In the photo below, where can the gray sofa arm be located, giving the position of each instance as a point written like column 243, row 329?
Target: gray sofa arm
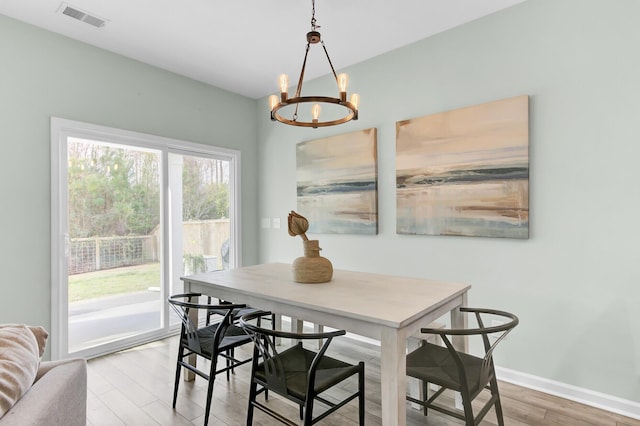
column 57, row 398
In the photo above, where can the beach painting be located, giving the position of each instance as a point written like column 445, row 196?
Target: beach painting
column 465, row 172
column 337, row 183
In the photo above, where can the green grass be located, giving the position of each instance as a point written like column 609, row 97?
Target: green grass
column 129, row 279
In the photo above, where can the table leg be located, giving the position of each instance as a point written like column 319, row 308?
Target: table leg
column 461, row 343
column 317, row 328
column 297, row 325
column 393, row 377
column 278, row 326
column 459, row 320
column 415, row 385
column 189, row 375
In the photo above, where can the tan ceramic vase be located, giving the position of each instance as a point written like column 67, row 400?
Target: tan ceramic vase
column 312, row 268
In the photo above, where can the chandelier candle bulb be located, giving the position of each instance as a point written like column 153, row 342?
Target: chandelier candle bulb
column 355, row 100
column 284, row 86
column 315, row 113
column 343, row 82
column 273, row 102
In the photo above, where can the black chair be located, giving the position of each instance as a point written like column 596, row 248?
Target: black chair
column 297, row 373
column 462, row 372
column 211, row 341
column 237, row 313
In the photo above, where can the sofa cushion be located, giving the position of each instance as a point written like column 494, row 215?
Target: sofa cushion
column 57, row 398
column 20, row 352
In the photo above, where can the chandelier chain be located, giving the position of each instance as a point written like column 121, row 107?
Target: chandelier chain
column 313, row 15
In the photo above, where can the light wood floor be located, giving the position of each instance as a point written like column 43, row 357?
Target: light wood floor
column 135, row 387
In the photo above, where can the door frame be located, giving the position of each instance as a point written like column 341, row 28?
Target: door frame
column 61, row 130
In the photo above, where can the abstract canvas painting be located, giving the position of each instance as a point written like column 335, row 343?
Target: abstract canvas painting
column 465, row 172
column 337, row 183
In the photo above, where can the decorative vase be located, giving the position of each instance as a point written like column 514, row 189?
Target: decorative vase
column 312, row 268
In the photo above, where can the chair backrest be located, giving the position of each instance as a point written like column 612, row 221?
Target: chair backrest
column 182, row 304
column 508, row 322
column 266, row 350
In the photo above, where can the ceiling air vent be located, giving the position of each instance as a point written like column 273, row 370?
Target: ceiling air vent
column 81, row 15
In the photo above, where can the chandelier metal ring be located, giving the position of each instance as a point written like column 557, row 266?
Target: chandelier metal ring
column 352, row 113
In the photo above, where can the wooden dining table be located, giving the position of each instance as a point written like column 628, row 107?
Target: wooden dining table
column 386, row 308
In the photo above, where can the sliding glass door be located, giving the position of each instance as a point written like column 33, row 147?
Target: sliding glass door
column 114, row 263
column 201, row 207
column 132, row 213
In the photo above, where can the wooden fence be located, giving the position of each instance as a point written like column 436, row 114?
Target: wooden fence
column 202, row 239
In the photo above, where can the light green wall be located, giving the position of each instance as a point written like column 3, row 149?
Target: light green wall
column 575, row 282
column 43, row 74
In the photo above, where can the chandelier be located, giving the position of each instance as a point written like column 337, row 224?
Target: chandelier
column 347, row 110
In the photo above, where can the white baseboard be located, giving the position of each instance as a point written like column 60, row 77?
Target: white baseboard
column 603, row 401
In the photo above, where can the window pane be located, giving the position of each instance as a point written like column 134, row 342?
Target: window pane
column 114, row 263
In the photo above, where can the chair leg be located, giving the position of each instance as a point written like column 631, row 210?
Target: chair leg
column 212, row 380
column 207, row 410
column 230, row 363
column 468, row 411
column 308, row 416
column 498, row 404
column 273, row 327
column 178, row 369
column 361, row 394
column 253, row 390
column 425, row 395
column 308, row 411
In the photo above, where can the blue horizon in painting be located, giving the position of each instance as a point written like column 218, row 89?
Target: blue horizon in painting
column 467, row 175
column 343, row 199
column 336, row 188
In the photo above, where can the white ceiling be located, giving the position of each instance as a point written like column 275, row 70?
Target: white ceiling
column 243, row 45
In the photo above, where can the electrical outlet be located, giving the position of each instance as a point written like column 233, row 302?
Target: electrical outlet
column 276, row 223
column 265, row 223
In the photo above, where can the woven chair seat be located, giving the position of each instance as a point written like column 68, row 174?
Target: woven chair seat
column 234, row 336
column 297, row 362
column 435, row 364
